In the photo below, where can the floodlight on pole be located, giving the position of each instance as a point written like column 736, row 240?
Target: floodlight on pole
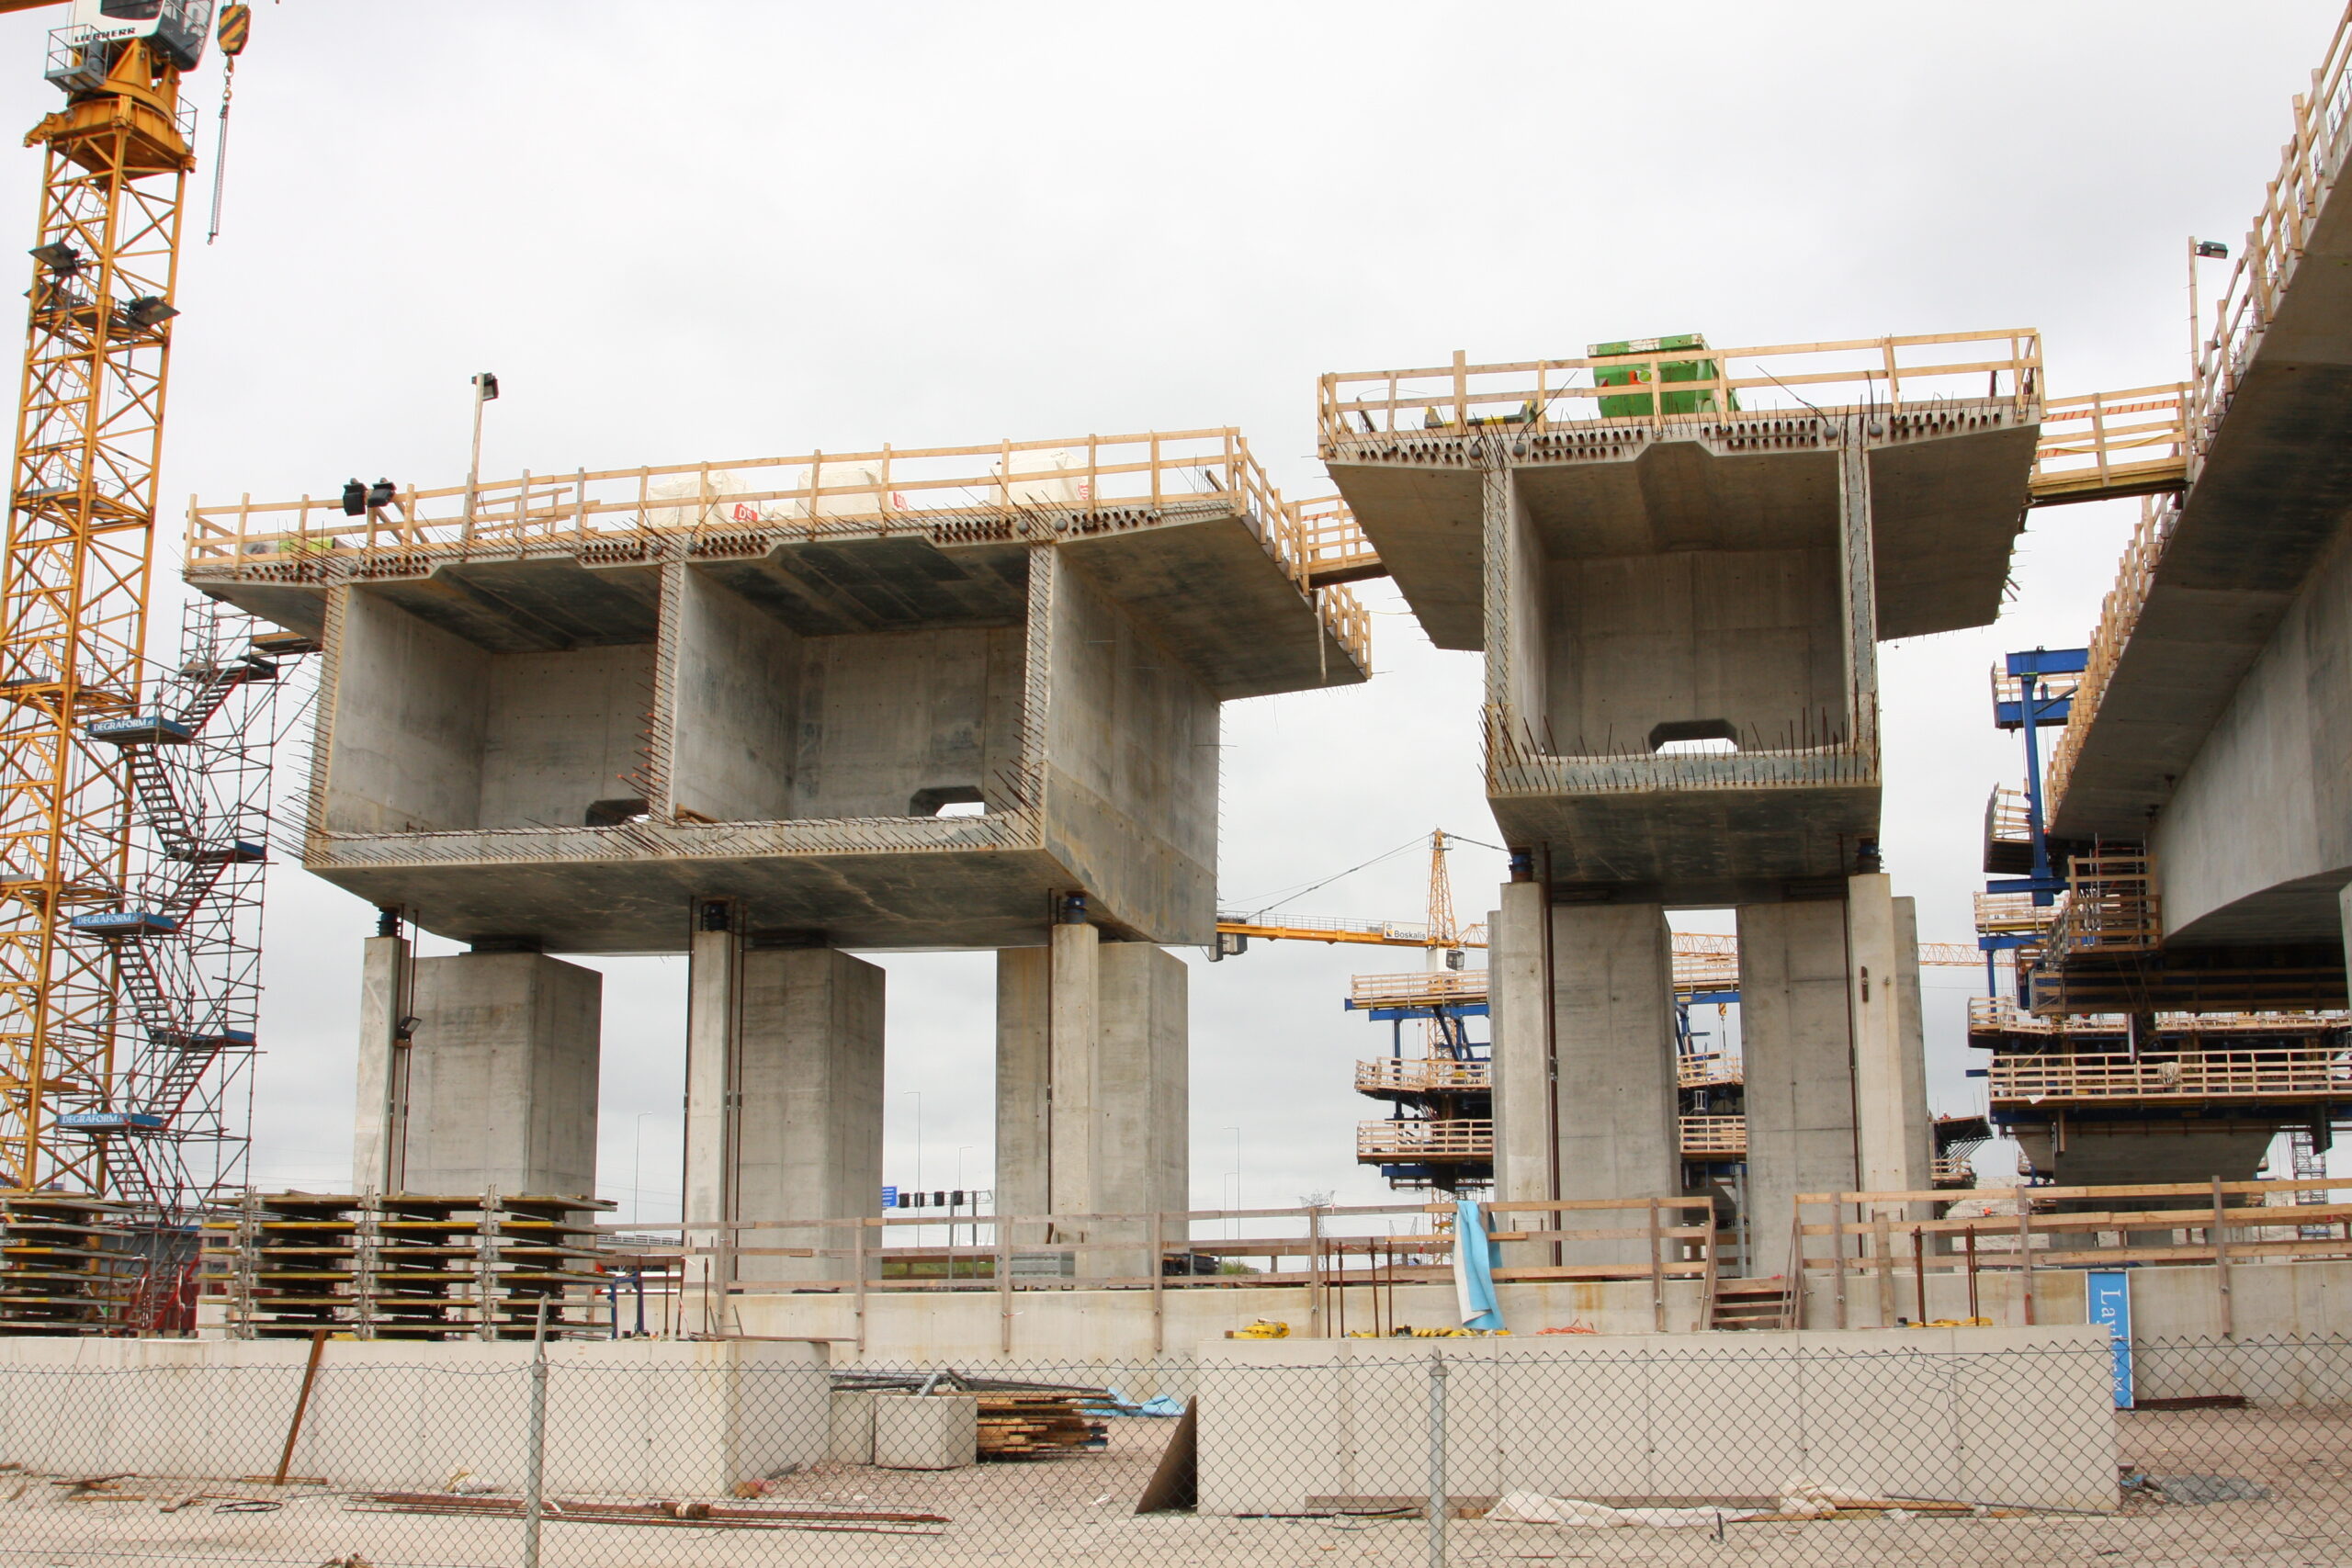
column 485, row 388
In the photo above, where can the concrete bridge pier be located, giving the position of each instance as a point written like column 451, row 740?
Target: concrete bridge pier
column 477, row 1070
column 1092, row 1095
column 784, row 1098
column 1835, row 1067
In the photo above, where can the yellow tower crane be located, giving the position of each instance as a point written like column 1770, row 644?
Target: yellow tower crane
column 78, row 553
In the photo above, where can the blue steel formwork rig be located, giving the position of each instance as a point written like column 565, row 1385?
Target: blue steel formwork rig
column 1440, row 1132
column 2101, row 1034
column 184, row 938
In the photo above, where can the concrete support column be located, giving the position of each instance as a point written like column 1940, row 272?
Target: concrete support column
column 1890, row 1088
column 1519, row 1006
column 714, row 958
column 1612, row 1001
column 784, row 1103
column 1796, row 1029
column 502, row 1076
column 379, row 1131
column 1092, row 1093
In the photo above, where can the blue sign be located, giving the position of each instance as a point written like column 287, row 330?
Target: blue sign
column 2107, row 1293
column 889, row 1197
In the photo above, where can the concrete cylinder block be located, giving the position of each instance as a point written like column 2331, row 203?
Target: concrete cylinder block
column 932, row 1432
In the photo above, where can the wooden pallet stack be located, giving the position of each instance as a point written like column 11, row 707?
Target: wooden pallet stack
column 64, row 1264
column 405, row 1265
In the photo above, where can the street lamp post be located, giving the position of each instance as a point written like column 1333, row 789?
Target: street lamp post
column 485, row 388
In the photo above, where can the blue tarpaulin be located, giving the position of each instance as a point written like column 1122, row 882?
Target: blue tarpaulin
column 1474, row 1258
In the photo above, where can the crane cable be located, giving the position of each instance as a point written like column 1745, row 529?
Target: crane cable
column 236, row 28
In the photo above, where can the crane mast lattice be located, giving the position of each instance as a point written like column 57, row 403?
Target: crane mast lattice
column 75, row 565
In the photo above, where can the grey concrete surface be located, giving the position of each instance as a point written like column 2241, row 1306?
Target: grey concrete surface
column 797, row 1132
column 1796, row 1039
column 2257, row 836
column 501, row 1077
column 1612, row 995
column 1635, row 608
column 572, row 740
column 1092, row 1091
column 1520, row 1017
column 1952, row 482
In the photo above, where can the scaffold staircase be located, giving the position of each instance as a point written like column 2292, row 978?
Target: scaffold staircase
column 185, row 933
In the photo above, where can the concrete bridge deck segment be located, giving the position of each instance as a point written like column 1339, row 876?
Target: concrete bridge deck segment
column 2212, row 723
column 869, row 720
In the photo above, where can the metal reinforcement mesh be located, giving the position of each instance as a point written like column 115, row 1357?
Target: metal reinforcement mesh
column 1866, row 1449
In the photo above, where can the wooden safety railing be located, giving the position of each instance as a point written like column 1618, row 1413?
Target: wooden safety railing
column 1432, row 1075
column 1951, row 1170
column 1661, row 386
column 1885, row 1245
column 1010, row 490
column 2110, row 904
column 1714, row 1138
column 1709, row 1070
column 2276, row 244
column 2265, row 268
column 1335, row 548
column 2119, row 617
column 2313, row 1074
column 2110, row 444
column 1454, row 1140
column 1328, row 1250
column 1433, row 987
column 2000, row 1015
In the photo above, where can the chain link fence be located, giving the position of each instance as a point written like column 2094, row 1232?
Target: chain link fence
column 1858, row 1449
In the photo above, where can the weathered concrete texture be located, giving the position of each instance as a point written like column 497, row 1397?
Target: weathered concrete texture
column 2259, row 529
column 1951, row 482
column 502, row 1077
column 1093, row 1090
column 380, row 1123
column 1796, row 1039
column 1934, row 1413
column 1684, row 598
column 434, row 733
column 802, row 1111
column 633, row 1417
column 790, row 750
column 2103, row 1153
column 2278, row 754
column 1894, row 1141
column 1612, row 995
column 1519, row 1014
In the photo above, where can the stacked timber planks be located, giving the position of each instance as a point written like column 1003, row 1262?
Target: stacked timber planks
column 1020, row 1424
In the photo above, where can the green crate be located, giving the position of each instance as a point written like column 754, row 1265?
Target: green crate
column 1638, row 404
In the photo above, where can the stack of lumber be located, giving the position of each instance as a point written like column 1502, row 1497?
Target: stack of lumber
column 1017, row 1424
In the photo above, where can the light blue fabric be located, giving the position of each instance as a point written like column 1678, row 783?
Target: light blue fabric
column 1474, row 1258
column 1161, row 1404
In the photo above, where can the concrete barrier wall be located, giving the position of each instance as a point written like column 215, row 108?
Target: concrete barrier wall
column 631, row 1417
column 1115, row 1327
column 2012, row 1415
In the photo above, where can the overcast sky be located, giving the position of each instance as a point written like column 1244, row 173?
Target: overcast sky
column 707, row 230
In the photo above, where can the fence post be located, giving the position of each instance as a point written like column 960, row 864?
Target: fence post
column 2221, row 1239
column 1438, row 1506
column 535, row 1442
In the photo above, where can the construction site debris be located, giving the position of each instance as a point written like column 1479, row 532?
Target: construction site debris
column 666, row 1511
column 1264, row 1328
column 1017, row 1420
column 2196, row 1491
